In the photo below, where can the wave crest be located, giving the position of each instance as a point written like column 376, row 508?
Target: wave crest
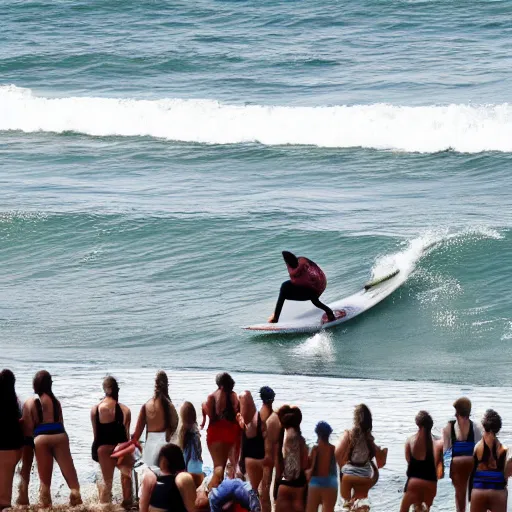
column 426, row 129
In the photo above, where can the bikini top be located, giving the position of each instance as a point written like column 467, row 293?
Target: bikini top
column 462, row 447
column 486, row 463
column 56, row 410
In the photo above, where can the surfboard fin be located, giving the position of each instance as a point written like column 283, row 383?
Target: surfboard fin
column 375, row 282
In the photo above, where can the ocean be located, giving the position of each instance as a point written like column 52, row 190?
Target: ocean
column 157, row 157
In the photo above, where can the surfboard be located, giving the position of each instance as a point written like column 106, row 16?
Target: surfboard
column 345, row 309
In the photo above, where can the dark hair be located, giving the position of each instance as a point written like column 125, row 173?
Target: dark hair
column 162, row 392
column 173, row 457
column 9, row 404
column 290, row 417
column 323, row 430
column 290, row 259
column 42, row 385
column 111, row 387
column 267, row 395
column 491, row 421
column 225, row 382
column 425, row 421
column 462, row 407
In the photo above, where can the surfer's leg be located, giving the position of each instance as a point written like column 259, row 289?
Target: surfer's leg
column 288, row 291
column 327, row 309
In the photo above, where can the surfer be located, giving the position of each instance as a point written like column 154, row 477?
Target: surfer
column 307, row 282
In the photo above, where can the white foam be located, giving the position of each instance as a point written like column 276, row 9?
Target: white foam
column 463, row 128
column 406, row 259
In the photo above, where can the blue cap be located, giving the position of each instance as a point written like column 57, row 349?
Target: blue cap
column 323, row 429
column 267, row 394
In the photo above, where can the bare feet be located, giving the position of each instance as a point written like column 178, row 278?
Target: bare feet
column 272, row 319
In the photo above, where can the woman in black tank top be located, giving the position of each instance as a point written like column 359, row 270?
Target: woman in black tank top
column 108, row 434
column 170, row 489
column 422, row 471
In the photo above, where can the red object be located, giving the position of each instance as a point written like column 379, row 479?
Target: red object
column 308, row 274
column 126, row 448
column 338, row 313
column 239, row 508
column 223, row 431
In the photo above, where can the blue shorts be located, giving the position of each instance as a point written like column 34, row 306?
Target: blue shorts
column 328, row 482
column 195, row 467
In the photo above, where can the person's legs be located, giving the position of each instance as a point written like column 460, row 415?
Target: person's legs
column 320, row 305
column 108, row 466
column 220, row 454
column 329, row 498
column 314, row 499
column 460, row 472
column 65, row 461
column 44, row 458
column 266, row 482
column 8, row 461
column 27, row 460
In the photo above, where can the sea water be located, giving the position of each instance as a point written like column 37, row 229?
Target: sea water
column 156, row 158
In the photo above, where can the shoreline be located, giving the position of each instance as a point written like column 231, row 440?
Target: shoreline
column 394, row 405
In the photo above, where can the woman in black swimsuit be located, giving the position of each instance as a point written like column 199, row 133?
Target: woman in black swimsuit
column 254, row 432
column 424, row 457
column 111, row 426
column 11, row 436
column 171, row 489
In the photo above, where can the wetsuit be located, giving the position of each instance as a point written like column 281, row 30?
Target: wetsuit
column 111, row 434
column 166, row 495
column 307, row 282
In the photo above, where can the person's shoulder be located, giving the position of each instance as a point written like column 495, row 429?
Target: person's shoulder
column 124, row 408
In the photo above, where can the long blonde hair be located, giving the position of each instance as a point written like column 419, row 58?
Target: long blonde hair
column 188, row 425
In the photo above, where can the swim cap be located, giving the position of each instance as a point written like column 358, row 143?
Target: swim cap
column 323, row 430
column 267, row 394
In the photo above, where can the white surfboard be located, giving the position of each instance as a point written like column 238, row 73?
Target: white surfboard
column 348, row 308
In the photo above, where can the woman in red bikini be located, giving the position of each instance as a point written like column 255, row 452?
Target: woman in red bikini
column 223, row 432
column 307, row 282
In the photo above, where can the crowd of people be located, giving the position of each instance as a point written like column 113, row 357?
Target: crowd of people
column 259, row 456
